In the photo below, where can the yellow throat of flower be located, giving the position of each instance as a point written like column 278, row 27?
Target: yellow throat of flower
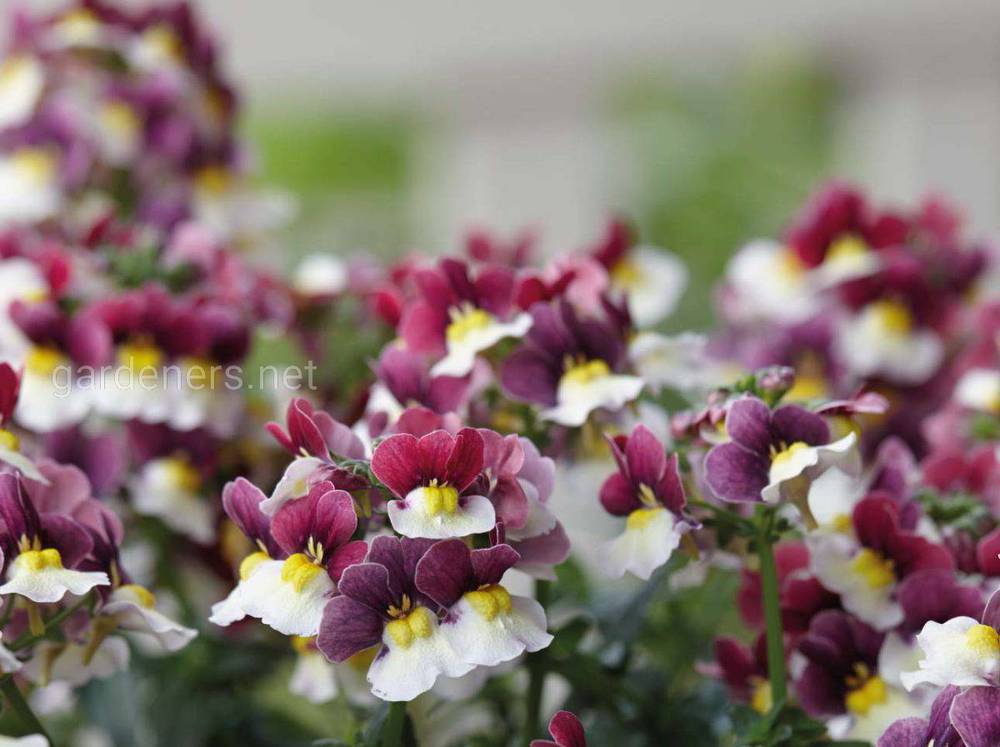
column 120, row 119
column 419, row 623
column 781, row 459
column 984, row 641
column 627, row 274
column 38, row 165
column 182, row 474
column 892, row 316
column 9, row 441
column 143, row 596
column 641, row 518
column 40, row 560
column 846, row 249
column 440, row 499
column 582, row 372
column 874, row 569
column 465, row 321
column 250, row 563
column 138, row 356
column 871, row 692
column 489, row 601
column 298, row 570
column 213, row 180
column 12, row 68
column 43, row 360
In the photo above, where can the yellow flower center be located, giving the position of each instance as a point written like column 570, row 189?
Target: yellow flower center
column 138, row 356
column 201, row 373
column 250, row 563
column 166, row 43
column 782, row 458
column 8, row 440
column 299, row 570
column 584, row 372
column 361, row 661
column 627, row 274
column 876, row 570
column 983, row 640
column 12, row 68
column 417, row 624
column 761, row 700
column 182, row 474
column 143, row 595
column 871, row 693
column 440, row 499
column 641, row 518
column 892, row 316
column 842, row 523
column 39, row 560
column 37, row 164
column 790, row 267
column 120, row 119
column 489, row 601
column 845, row 249
column 43, row 360
column 303, row 644
column 466, row 321
column 806, row 387
column 214, row 180
column 78, row 23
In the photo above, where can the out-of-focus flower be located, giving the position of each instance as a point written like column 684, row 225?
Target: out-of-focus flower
column 566, row 731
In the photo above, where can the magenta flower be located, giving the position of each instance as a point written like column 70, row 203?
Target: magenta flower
column 379, row 604
column 937, row 731
column 774, row 455
column 404, row 381
column 647, row 489
column 566, row 731
column 428, row 475
column 744, row 670
column 570, row 365
column 459, row 317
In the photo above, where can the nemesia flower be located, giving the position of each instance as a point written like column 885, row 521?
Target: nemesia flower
column 21, row 279
column 867, row 568
column 315, row 535
column 680, row 362
column 979, row 389
column 10, row 383
column 428, row 476
column 918, row 732
column 570, row 365
column 774, row 456
column 483, row 622
column 744, row 670
column 169, row 488
column 22, row 79
column 320, row 681
column 29, row 186
column 765, row 281
column 379, row 604
column 962, row 651
column 566, row 731
column 320, row 275
column 32, row 740
column 461, row 316
column 42, row 552
column 647, row 489
column 404, row 381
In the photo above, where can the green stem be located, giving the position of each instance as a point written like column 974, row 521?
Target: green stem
column 27, row 639
column 395, row 722
column 537, row 666
column 20, row 706
column 772, row 613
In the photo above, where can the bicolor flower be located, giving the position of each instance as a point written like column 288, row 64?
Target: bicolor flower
column 428, row 476
column 570, row 365
column 42, row 552
column 765, row 281
column 380, row 605
column 565, row 730
column 937, row 731
column 22, row 79
column 315, row 535
column 647, row 489
column 744, row 671
column 962, row 651
column 10, row 384
column 884, row 340
column 29, row 185
column 404, row 382
column 979, row 389
column 483, row 622
column 680, row 362
column 461, row 316
column 844, row 676
column 170, row 488
column 774, row 456
column 866, row 568
column 20, row 280
column 132, row 608
column 319, row 681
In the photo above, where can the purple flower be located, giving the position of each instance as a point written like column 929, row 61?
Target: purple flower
column 566, row 731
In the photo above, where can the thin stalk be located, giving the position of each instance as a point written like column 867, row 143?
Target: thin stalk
column 537, row 666
column 395, row 722
column 772, row 613
column 28, row 638
column 20, row 706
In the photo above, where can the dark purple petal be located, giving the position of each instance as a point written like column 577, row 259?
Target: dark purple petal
column 435, row 453
column 528, row 375
column 396, row 463
column 670, row 491
column 646, row 457
column 347, row 628
column 18, row 516
column 510, row 502
column 386, row 552
column 494, row 288
column 465, row 461
column 566, row 729
column 975, row 714
column 618, row 496
column 940, row 729
column 551, row 548
column 241, row 500
column 491, row 563
column 875, row 522
column 345, row 556
column 991, row 615
column 748, row 423
column 735, row 474
column 368, row 585
column 907, row 732
column 303, row 430
column 340, row 439
column 72, row 541
column 446, row 393
column 935, row 595
column 445, row 572
column 819, row 691
column 791, row 424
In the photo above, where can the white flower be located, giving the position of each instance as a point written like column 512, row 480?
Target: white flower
column 650, row 537
column 8, row 662
column 288, row 595
column 320, row 275
column 230, row 609
column 801, row 460
column 589, row 386
column 169, row 489
column 134, row 388
column 437, row 512
column 20, row 280
column 769, row 283
column 39, row 575
column 65, row 662
column 29, row 190
column 961, row 652
column 654, row 281
column 979, row 389
column 22, row 79
column 133, row 609
column 49, row 398
column 833, row 496
column 882, row 340
column 490, row 626
column 678, row 362
column 472, row 331
column 865, row 581
column 33, row 740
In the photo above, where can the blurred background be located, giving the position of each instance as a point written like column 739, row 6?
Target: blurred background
column 401, row 125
